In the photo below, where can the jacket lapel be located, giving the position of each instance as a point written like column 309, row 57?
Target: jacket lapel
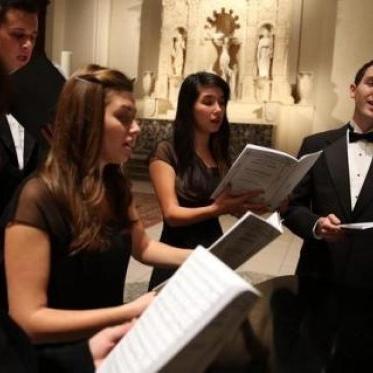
column 7, row 139
column 28, row 148
column 6, row 136
column 337, row 161
column 366, row 194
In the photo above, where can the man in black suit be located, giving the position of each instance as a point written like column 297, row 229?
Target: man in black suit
column 339, row 189
column 18, row 148
column 21, row 142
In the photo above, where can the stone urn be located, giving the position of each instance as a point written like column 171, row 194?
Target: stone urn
column 147, row 83
column 304, row 87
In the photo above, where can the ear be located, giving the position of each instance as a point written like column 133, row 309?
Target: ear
column 353, row 90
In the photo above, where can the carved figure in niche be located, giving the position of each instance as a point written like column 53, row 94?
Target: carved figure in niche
column 226, row 44
column 221, row 43
column 178, row 52
column 264, row 54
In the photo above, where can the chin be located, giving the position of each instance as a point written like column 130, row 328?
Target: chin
column 124, row 160
column 18, row 66
column 216, row 129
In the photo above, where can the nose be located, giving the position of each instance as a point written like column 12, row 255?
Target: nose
column 218, row 107
column 28, row 43
column 135, row 128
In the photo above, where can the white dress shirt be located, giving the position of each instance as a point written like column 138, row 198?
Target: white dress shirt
column 360, row 155
column 18, row 134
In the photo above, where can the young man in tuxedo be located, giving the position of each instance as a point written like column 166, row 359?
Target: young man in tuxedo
column 19, row 153
column 25, row 130
column 338, row 189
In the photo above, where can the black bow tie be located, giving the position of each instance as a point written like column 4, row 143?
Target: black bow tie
column 368, row 136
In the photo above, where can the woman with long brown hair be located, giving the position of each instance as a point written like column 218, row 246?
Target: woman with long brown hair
column 73, row 225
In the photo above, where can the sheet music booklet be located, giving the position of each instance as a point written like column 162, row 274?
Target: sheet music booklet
column 275, row 172
column 245, row 238
column 358, row 226
column 188, row 323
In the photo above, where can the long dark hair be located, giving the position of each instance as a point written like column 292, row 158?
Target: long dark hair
column 72, row 169
column 184, row 124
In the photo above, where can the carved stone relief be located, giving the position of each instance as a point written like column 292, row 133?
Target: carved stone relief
column 245, row 42
column 220, row 30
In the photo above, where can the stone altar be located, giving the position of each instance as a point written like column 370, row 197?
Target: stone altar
column 155, row 130
column 247, row 43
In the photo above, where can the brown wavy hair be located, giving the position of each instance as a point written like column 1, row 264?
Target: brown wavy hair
column 72, row 169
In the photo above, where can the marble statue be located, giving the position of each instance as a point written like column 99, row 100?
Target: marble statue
column 178, row 53
column 224, row 59
column 225, row 69
column 265, row 53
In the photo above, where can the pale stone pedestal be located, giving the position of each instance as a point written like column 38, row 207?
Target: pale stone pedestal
column 146, row 107
column 294, row 123
column 149, row 107
column 244, row 112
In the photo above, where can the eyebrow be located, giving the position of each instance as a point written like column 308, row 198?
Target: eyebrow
column 212, row 95
column 22, row 29
column 126, row 108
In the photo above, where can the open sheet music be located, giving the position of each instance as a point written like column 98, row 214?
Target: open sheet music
column 198, row 309
column 245, row 238
column 358, row 226
column 275, row 172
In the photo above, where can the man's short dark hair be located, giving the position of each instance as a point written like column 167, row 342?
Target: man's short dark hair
column 360, row 73
column 29, row 6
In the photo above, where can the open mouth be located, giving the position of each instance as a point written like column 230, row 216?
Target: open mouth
column 22, row 58
column 216, row 121
column 128, row 147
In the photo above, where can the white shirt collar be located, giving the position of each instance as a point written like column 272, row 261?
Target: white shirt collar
column 355, row 127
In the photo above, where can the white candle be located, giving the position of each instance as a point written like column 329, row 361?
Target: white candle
column 66, row 62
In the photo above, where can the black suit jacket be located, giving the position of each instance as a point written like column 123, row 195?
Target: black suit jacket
column 10, row 174
column 324, row 190
column 34, row 93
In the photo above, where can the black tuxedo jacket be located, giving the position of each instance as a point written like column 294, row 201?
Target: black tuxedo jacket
column 10, row 174
column 34, row 93
column 324, row 190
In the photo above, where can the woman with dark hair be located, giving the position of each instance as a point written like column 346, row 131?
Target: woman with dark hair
column 186, row 169
column 73, row 226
